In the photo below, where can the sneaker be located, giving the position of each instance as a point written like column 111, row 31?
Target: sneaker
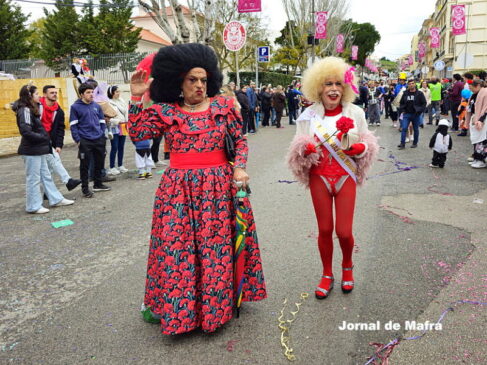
column 87, row 193
column 141, row 176
column 41, row 210
column 72, row 183
column 108, row 178
column 113, row 171
column 148, row 175
column 64, row 202
column 161, row 163
column 407, row 140
column 378, row 124
column 434, row 166
column 101, row 188
column 401, row 147
column 414, row 145
column 478, row 164
column 470, row 159
column 122, row 169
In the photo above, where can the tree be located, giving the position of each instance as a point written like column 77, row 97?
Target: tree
column 176, row 28
column 35, row 37
column 14, row 34
column 60, row 37
column 111, row 31
column 118, row 27
column 363, row 35
column 301, row 22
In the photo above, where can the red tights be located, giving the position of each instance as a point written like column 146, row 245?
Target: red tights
column 344, row 208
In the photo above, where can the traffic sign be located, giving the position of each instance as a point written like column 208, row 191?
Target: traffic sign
column 234, row 36
column 264, row 54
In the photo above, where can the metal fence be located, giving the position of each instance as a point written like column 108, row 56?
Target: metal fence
column 112, row 68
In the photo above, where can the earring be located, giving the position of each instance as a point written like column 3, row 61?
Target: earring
column 181, row 95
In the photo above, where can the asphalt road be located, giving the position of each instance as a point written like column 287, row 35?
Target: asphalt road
column 72, row 295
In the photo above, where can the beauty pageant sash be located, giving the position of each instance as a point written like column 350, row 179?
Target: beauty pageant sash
column 334, row 148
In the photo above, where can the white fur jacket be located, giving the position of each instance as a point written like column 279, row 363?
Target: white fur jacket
column 301, row 164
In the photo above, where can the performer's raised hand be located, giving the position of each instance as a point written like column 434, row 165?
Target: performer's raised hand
column 138, row 85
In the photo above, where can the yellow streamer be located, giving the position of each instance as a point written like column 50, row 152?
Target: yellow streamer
column 285, row 326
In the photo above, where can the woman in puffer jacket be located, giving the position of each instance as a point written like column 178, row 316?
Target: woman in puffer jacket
column 34, row 147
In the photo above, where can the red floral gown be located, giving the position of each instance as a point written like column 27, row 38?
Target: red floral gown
column 190, row 266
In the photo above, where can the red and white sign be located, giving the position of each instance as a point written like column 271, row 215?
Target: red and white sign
column 435, row 37
column 320, row 26
column 340, row 43
column 458, row 20
column 354, row 53
column 234, row 36
column 249, row 6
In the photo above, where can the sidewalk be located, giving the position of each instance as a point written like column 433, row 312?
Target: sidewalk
column 8, row 146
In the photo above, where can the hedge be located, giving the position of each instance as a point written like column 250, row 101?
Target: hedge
column 265, row 78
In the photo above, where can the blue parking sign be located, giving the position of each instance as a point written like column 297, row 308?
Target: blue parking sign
column 264, row 54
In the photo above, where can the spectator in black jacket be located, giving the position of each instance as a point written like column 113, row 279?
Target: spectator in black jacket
column 35, row 145
column 413, row 104
column 52, row 119
column 245, row 107
column 265, row 102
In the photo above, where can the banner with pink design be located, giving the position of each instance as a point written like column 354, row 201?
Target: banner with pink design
column 249, row 6
column 421, row 49
column 410, row 60
column 320, row 26
column 458, row 20
column 354, row 53
column 435, row 37
column 340, row 43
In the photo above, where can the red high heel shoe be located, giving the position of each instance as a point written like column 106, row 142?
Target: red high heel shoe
column 322, row 293
column 347, row 286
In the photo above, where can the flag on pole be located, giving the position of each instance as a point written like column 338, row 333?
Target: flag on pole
column 354, row 53
column 320, row 26
column 249, row 6
column 340, row 43
column 458, row 20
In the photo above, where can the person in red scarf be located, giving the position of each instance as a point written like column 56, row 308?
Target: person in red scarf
column 52, row 119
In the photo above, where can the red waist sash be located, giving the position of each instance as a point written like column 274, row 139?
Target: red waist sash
column 197, row 160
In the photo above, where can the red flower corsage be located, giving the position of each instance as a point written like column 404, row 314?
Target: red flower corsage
column 344, row 124
column 310, row 148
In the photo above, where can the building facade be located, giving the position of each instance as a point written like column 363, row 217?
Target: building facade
column 457, row 54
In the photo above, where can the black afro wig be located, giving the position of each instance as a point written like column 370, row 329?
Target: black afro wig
column 173, row 62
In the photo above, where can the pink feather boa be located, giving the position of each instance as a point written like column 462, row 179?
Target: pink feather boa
column 299, row 164
column 365, row 163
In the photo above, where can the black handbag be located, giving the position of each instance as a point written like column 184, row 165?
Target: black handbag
column 229, row 147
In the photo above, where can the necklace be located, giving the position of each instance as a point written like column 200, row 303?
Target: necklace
column 193, row 107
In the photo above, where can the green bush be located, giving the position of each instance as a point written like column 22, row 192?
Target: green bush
column 265, row 78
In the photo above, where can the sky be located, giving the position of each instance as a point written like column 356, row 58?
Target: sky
column 390, row 18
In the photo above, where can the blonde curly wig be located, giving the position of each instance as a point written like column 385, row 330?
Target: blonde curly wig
column 322, row 70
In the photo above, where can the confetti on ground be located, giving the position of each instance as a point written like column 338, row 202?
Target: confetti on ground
column 401, row 217
column 383, row 352
column 231, row 345
column 63, row 223
column 287, row 181
column 285, row 334
column 9, row 347
column 432, row 189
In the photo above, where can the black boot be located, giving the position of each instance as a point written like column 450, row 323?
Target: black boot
column 72, row 183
